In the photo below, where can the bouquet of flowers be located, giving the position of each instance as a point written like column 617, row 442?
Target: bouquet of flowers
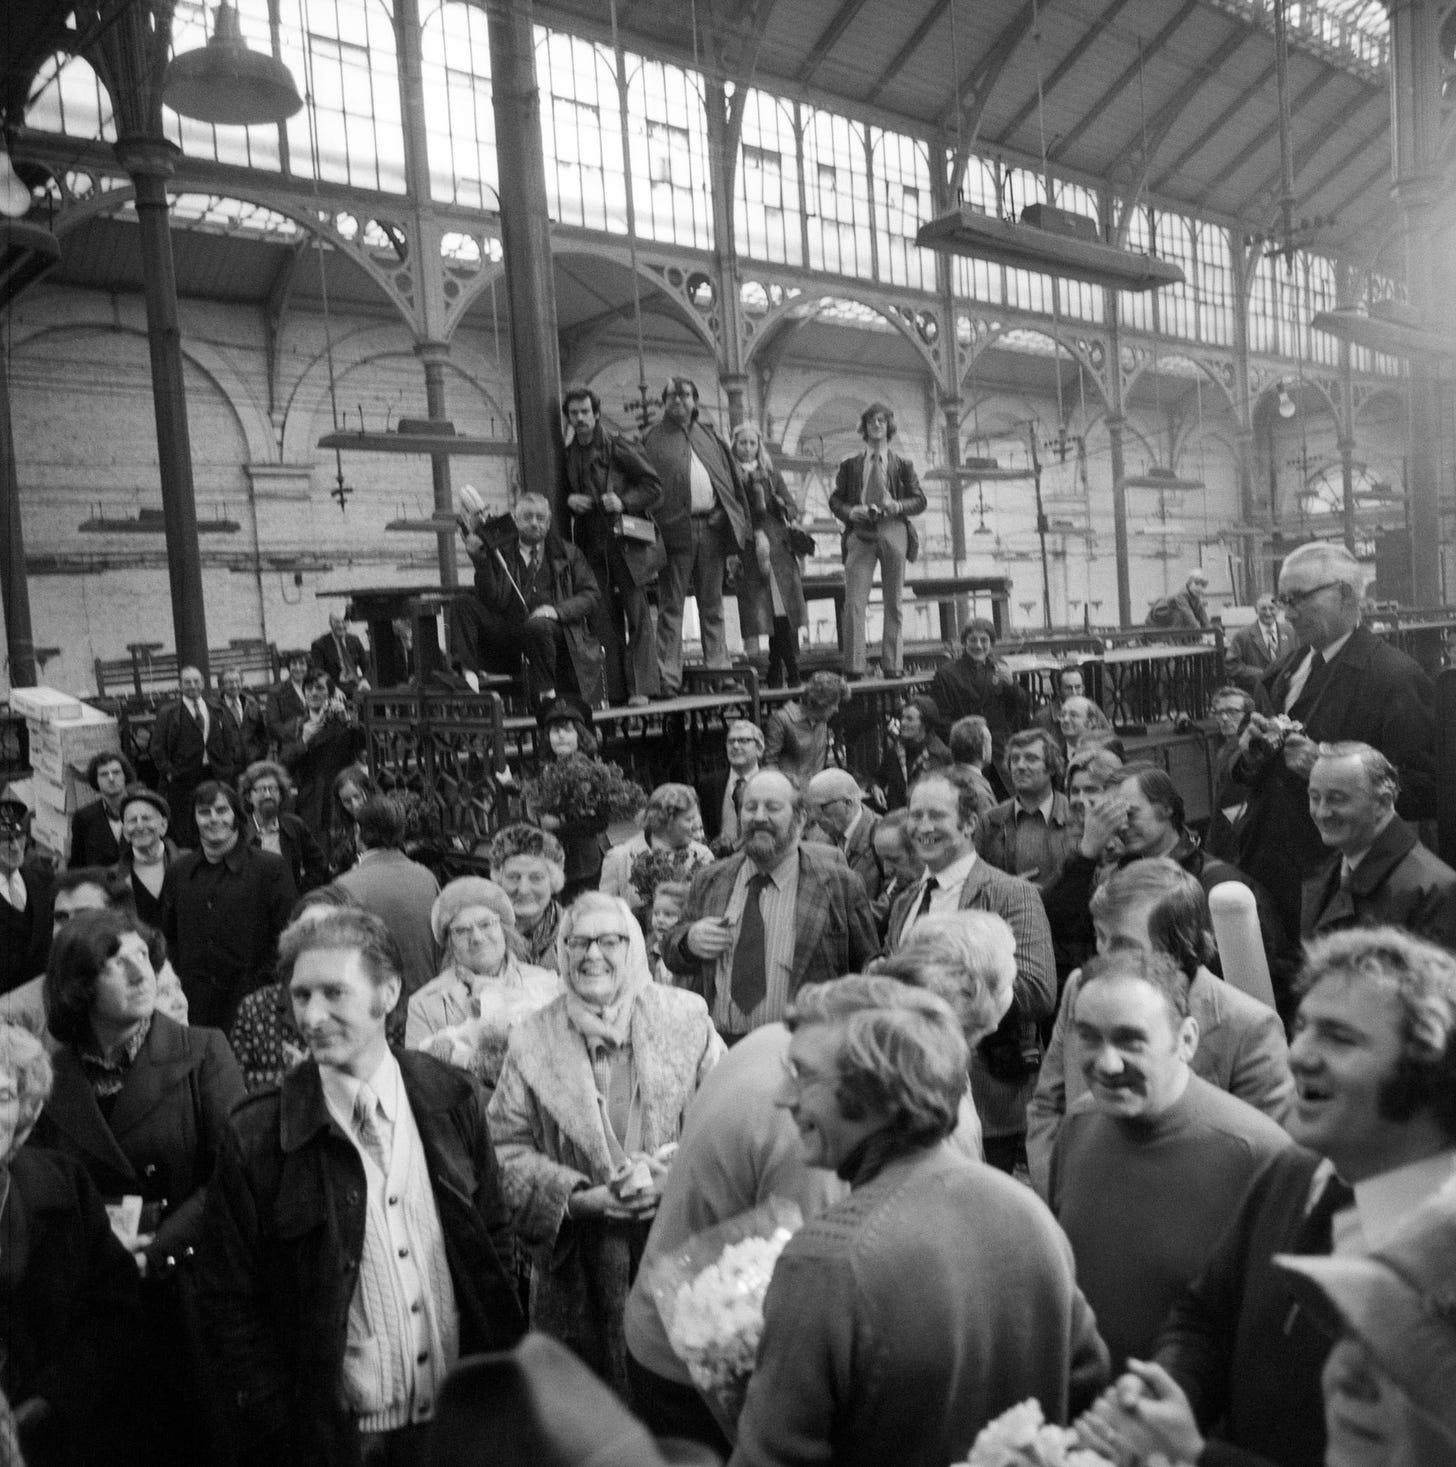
column 651, row 868
column 710, row 1295
column 338, row 712
column 1022, row 1437
column 579, row 790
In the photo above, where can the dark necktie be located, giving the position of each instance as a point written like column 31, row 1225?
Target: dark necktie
column 875, row 482
column 931, row 887
column 1316, row 1232
column 749, row 981
column 737, row 798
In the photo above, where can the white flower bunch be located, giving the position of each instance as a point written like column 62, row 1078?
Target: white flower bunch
column 456, row 1044
column 717, row 1317
column 1022, row 1437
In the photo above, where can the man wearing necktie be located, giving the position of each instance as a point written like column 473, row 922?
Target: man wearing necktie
column 1254, row 648
column 876, row 493
column 1343, row 684
column 1378, row 872
column 341, row 654
column 191, row 741
column 389, row 1156
column 776, row 915
column 1373, row 1056
column 721, row 794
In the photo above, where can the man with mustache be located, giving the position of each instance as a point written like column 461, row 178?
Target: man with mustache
column 778, row 914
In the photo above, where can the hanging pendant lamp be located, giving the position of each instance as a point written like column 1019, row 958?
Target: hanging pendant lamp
column 226, row 84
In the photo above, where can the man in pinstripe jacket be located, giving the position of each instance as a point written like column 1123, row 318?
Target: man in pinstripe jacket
column 942, row 828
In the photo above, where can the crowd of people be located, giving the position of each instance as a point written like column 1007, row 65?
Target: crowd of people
column 288, row 1129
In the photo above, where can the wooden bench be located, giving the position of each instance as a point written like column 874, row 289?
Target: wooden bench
column 147, row 669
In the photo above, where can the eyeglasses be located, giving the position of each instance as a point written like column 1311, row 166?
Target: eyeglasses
column 486, row 927
column 1298, row 598
column 609, row 943
column 1228, row 712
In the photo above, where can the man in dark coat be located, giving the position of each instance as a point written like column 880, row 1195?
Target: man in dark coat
column 96, row 837
column 876, row 492
column 535, row 597
column 264, row 787
column 836, row 804
column 605, row 478
column 976, row 683
column 1239, row 1357
column 1186, row 609
column 192, row 741
column 1253, row 649
column 26, row 894
column 368, row 1174
column 1342, row 684
column 341, row 654
column 247, row 716
column 223, row 907
column 704, row 519
column 287, row 705
column 1378, row 873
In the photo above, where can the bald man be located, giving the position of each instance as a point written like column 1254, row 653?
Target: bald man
column 836, row 807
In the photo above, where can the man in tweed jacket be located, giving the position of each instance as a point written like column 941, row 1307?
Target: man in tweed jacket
column 816, row 919
column 942, row 827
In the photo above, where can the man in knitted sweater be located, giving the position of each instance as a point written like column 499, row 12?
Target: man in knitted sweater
column 1150, row 1165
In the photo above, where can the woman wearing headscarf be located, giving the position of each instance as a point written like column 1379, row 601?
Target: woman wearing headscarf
column 914, row 748
column 590, row 1101
column 529, row 865
column 466, row 1014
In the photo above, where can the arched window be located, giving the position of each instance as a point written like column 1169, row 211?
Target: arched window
column 668, row 133
column 581, row 135
column 459, row 117
column 902, row 204
column 766, row 220
column 837, row 185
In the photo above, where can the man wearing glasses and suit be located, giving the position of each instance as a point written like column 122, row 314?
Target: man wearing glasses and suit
column 1341, row 684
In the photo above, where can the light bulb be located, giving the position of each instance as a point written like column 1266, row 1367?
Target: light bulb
column 15, row 200
column 1287, row 408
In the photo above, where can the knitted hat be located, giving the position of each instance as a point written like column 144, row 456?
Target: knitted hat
column 469, row 891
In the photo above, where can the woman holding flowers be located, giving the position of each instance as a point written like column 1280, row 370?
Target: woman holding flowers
column 588, row 1108
column 672, row 827
column 465, row 1015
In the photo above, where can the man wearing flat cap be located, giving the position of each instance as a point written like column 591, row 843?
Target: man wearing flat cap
column 26, row 889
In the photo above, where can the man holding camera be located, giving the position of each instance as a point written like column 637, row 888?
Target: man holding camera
column 875, row 494
column 611, row 491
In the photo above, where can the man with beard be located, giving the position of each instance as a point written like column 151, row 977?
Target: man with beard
column 762, row 923
column 606, row 478
column 223, row 907
column 264, row 787
column 704, row 519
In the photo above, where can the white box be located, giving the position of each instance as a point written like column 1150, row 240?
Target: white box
column 46, row 705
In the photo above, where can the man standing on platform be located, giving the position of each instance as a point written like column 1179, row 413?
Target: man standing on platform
column 96, row 834
column 192, row 741
column 287, row 703
column 876, row 493
column 535, row 597
column 1253, row 649
column 1379, row 874
column 245, row 714
column 1186, row 609
column 978, row 685
column 1374, row 1055
column 704, row 519
column 1342, row 684
column 608, row 485
column 341, row 654
column 761, row 924
column 721, row 795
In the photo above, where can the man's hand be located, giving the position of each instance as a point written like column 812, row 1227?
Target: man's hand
column 613, row 502
column 473, row 544
column 594, row 1204
column 1144, row 1412
column 1105, row 818
column 1300, row 754
column 710, row 937
column 579, row 503
column 1001, row 674
column 546, row 613
column 860, row 515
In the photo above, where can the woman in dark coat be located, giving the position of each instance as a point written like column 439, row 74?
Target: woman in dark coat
column 775, row 595
column 328, row 741
column 914, row 748
column 141, row 1103
column 70, row 1318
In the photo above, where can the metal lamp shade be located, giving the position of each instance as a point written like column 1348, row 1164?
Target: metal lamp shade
column 228, row 85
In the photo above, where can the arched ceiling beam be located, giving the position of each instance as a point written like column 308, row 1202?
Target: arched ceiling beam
column 1129, row 75
column 1210, row 134
column 829, row 37
column 1064, row 67
column 1167, row 117
column 1266, row 139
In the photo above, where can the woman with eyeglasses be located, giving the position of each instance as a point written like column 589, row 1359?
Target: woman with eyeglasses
column 466, row 1014
column 585, row 1117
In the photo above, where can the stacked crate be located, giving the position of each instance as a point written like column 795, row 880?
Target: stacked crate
column 64, row 735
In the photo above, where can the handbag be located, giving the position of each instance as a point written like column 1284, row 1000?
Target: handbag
column 801, row 542
column 636, row 527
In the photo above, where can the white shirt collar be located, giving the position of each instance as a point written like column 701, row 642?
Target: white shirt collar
column 341, row 1091
column 954, row 875
column 1333, row 650
column 854, row 825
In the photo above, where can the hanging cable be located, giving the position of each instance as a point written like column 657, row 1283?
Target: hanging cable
column 620, row 60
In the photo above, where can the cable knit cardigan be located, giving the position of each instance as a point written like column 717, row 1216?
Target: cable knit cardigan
column 549, row 1139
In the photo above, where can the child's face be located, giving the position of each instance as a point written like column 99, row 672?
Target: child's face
column 666, row 912
column 563, row 739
